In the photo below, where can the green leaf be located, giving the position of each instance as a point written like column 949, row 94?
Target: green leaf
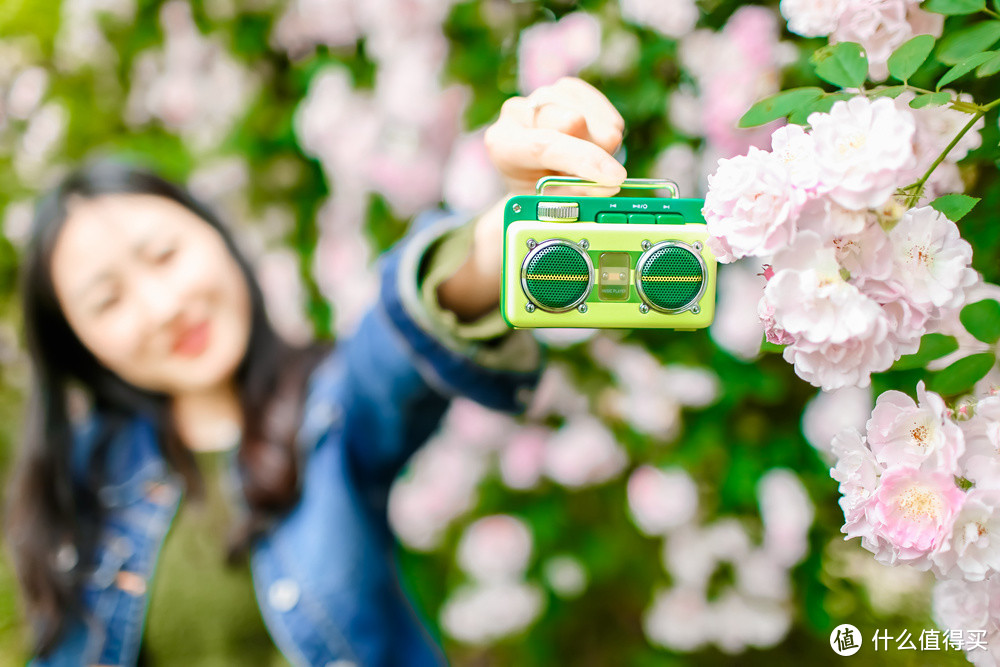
column 990, row 67
column 843, row 64
column 954, row 7
column 932, row 346
column 779, row 106
column 955, row 206
column 908, row 58
column 889, row 91
column 968, row 41
column 982, row 320
column 961, row 375
column 930, row 99
column 964, row 68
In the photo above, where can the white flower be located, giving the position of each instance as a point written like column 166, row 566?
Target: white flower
column 671, row 18
column 743, row 621
column 566, row 576
column 679, row 619
column 972, row 548
column 901, row 432
column 751, row 206
column 812, row 301
column 787, row 513
column 830, row 412
column 691, row 553
column 583, row 452
column 833, row 365
column 812, row 18
column 661, row 500
column 981, row 462
column 484, row 613
column 830, row 220
column 858, row 472
column 494, row 548
column 964, row 605
column 736, row 328
column 931, row 259
column 796, row 149
column 862, row 148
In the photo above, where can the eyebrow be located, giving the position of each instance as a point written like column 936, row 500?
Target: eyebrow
column 107, row 275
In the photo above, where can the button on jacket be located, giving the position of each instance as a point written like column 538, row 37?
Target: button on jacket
column 324, row 575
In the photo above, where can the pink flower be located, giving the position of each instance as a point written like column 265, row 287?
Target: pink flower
column 549, row 51
column 522, row 460
column 862, row 148
column 483, row 613
column 787, row 513
column 931, row 259
column 918, row 435
column 660, row 500
column 471, row 182
column 772, row 332
column 796, row 149
column 832, row 365
column 910, row 514
column 858, row 472
column 866, row 254
column 751, row 206
column 736, row 328
column 495, row 548
column 981, row 461
column 907, row 320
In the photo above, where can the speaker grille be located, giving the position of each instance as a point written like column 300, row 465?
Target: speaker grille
column 556, row 275
column 670, row 277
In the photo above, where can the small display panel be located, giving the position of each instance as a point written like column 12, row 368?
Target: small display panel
column 613, row 276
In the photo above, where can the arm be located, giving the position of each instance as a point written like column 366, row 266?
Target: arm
column 418, row 347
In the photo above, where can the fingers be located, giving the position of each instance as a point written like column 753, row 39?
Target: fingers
column 519, row 151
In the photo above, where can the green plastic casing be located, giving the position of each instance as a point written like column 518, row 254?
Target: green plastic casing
column 675, row 290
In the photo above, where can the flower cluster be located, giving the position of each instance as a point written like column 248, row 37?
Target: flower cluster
column 754, row 610
column 922, row 487
column 899, row 490
column 880, row 27
column 856, row 279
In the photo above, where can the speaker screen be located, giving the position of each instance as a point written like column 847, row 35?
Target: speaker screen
column 557, row 275
column 669, row 277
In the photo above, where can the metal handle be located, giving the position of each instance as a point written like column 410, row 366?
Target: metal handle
column 641, row 183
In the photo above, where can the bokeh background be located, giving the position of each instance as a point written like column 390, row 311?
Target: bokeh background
column 667, row 498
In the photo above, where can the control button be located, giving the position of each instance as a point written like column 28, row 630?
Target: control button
column 670, row 219
column 612, row 217
column 558, row 211
column 641, row 219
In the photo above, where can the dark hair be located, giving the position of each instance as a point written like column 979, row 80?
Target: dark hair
column 50, row 510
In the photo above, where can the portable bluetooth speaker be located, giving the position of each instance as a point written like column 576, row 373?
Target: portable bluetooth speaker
column 606, row 262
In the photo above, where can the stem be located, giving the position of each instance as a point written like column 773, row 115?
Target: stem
column 991, row 13
column 919, row 185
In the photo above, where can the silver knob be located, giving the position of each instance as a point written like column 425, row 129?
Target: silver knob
column 558, row 211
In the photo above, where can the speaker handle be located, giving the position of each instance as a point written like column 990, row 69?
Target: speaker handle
column 641, row 183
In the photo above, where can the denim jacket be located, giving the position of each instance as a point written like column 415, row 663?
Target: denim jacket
column 324, row 575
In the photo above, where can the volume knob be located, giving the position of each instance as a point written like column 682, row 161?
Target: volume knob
column 558, row 211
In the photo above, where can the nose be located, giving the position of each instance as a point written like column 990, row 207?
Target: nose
column 160, row 300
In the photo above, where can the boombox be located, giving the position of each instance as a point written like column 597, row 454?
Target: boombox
column 607, row 262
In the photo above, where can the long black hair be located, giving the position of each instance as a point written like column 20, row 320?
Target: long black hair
column 53, row 516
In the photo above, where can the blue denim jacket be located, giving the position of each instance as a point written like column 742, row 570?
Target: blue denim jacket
column 324, row 575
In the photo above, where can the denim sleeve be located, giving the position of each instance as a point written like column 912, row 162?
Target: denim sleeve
column 404, row 364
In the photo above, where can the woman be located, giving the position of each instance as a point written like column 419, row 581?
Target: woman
column 136, row 295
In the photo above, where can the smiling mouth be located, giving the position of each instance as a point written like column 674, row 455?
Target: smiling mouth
column 192, row 341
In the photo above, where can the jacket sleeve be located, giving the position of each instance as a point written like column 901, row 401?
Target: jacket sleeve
column 409, row 356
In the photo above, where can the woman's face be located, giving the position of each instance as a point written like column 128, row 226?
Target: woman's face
column 152, row 291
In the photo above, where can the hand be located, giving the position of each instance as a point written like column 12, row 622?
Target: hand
column 569, row 129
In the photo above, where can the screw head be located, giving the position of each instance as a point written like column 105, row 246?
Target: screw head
column 584, row 243
column 582, row 308
column 532, row 243
column 697, row 246
column 516, row 208
column 646, row 245
column 643, row 308
column 696, row 310
column 530, row 307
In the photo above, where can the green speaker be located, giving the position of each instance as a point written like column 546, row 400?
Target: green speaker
column 557, row 275
column 670, row 277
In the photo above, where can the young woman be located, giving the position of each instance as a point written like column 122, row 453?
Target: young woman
column 136, row 299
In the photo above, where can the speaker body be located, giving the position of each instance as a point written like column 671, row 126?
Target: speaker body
column 625, row 262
